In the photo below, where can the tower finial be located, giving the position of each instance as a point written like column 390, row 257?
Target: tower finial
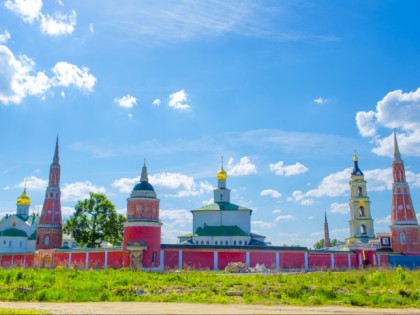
column 56, row 159
column 24, row 185
column 325, row 214
column 144, row 177
column 397, row 155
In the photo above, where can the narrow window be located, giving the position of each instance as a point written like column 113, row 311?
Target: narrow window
column 363, row 229
column 234, row 242
column 47, row 240
column 240, row 242
column 207, row 242
column 226, row 242
column 202, row 242
column 37, row 240
column 402, row 238
column 362, row 211
column 215, row 243
column 246, row 243
column 10, row 243
column 359, row 191
column 154, row 255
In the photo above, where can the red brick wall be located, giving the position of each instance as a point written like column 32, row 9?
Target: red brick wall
column 319, row 261
column 292, row 260
column 227, row 257
column 61, row 259
column 341, row 261
column 171, row 259
column 18, row 260
column 78, row 260
column 197, row 260
column 115, row 259
column 6, row 261
column 266, row 258
column 96, row 260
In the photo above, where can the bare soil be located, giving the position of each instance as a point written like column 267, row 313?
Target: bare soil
column 186, row 308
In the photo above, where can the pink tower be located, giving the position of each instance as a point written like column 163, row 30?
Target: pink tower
column 327, row 242
column 405, row 231
column 49, row 230
column 143, row 227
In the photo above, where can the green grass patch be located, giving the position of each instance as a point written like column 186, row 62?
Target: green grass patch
column 372, row 288
column 5, row 310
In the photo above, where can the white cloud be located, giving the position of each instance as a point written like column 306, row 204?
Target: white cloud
column 263, row 225
column 33, row 183
column 243, row 167
column 290, row 170
column 311, row 217
column 320, row 100
column 385, row 220
column 67, row 211
column 6, row 188
column 341, row 208
column 396, row 110
column 157, row 102
column 126, row 101
column 178, row 217
column 276, row 211
column 67, row 74
column 91, row 29
column 307, row 202
column 171, row 184
column 28, row 10
column 59, row 24
column 285, row 218
column 79, row 191
column 177, row 100
column 270, row 192
column 4, row 37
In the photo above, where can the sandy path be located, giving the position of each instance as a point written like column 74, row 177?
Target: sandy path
column 185, row 308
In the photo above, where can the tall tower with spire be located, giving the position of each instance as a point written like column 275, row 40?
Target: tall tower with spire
column 49, row 231
column 361, row 222
column 405, row 231
column 327, row 242
column 142, row 230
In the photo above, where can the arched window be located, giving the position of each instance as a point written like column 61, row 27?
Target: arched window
column 362, row 211
column 215, row 243
column 202, row 242
column 47, row 240
column 73, row 244
column 240, row 242
column 207, row 243
column 66, row 244
column 246, row 243
column 234, row 242
column 359, row 191
column 10, row 243
column 154, row 255
column 363, row 229
column 20, row 243
column 402, row 238
column 226, row 242
column 196, row 242
column 37, row 240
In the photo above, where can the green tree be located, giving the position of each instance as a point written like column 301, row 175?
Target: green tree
column 95, row 220
column 320, row 243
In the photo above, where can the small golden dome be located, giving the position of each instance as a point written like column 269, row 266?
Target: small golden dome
column 221, row 175
column 24, row 199
column 355, row 159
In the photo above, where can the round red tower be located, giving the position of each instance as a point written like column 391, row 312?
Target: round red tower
column 143, row 227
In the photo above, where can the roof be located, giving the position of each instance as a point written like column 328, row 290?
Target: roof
column 143, row 185
column 30, row 220
column 13, row 232
column 222, row 206
column 220, row 231
column 33, row 236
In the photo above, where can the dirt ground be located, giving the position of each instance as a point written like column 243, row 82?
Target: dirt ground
column 185, row 308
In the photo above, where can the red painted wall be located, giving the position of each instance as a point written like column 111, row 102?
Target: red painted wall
column 292, row 260
column 78, row 260
column 115, row 259
column 18, row 260
column 151, row 236
column 266, row 258
column 30, row 260
column 384, row 261
column 96, row 260
column 170, row 259
column 227, row 257
column 61, row 259
column 319, row 261
column 197, row 260
column 6, row 261
column 341, row 261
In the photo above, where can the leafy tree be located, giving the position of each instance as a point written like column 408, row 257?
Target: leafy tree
column 95, row 220
column 320, row 243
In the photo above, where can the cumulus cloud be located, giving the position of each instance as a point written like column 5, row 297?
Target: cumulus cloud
column 4, row 37
column 178, row 217
column 91, row 29
column 397, row 110
column 79, row 191
column 172, row 184
column 320, row 100
column 385, row 220
column 178, row 100
column 33, row 183
column 18, row 78
column 157, row 102
column 243, row 167
column 127, row 101
column 285, row 218
column 280, row 169
column 270, row 192
column 263, row 225
column 276, row 211
column 31, row 11
column 341, row 208
column 67, row 74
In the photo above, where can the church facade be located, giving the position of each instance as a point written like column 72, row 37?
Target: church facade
column 221, row 233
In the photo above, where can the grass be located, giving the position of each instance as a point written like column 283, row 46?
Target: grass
column 373, row 288
column 4, row 310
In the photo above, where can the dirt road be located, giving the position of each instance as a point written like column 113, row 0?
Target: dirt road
column 185, row 308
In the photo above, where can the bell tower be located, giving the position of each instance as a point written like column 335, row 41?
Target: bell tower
column 49, row 231
column 405, row 231
column 361, row 222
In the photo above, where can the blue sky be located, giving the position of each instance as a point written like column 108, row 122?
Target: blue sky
column 285, row 91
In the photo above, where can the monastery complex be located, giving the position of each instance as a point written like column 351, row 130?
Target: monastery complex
column 221, row 233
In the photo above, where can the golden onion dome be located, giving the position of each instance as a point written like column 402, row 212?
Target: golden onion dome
column 355, row 159
column 24, row 199
column 221, row 174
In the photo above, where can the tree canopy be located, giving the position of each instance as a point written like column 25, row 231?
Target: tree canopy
column 94, row 221
column 320, row 243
